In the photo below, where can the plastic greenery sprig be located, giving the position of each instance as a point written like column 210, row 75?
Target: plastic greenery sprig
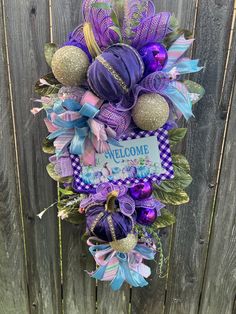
column 148, row 234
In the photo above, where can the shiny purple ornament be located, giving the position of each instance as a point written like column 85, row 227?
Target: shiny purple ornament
column 141, row 191
column 154, row 57
column 146, row 216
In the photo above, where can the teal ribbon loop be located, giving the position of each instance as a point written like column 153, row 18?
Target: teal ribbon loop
column 88, row 111
column 181, row 101
column 126, row 273
column 188, row 66
column 145, row 251
column 78, row 142
column 124, row 269
column 100, row 247
column 80, row 125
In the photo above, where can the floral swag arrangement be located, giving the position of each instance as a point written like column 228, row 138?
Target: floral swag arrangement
column 113, row 101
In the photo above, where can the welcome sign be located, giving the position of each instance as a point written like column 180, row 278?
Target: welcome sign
column 141, row 157
column 138, row 148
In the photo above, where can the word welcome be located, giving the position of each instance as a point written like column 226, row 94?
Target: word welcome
column 122, row 153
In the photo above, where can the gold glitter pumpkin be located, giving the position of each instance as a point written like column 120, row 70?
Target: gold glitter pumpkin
column 125, row 245
column 151, row 112
column 70, row 65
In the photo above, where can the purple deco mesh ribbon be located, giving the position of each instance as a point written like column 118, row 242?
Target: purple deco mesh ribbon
column 119, row 121
column 141, row 24
column 101, row 22
column 165, row 155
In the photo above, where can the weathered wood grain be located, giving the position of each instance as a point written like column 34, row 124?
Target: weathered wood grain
column 109, row 301
column 219, row 291
column 79, row 291
column 66, row 15
column 152, row 298
column 203, row 146
column 230, row 72
column 183, row 10
column 13, row 290
column 27, row 24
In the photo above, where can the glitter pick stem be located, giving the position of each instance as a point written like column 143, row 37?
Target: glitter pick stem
column 90, row 40
column 111, row 199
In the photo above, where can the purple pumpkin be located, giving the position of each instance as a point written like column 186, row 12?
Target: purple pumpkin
column 106, row 225
column 115, row 72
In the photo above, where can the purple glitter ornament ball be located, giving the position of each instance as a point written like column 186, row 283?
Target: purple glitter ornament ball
column 141, row 191
column 154, row 57
column 146, row 216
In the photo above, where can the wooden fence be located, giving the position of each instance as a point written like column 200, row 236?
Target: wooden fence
column 37, row 275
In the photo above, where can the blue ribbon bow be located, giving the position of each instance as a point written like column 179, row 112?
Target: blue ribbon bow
column 124, row 272
column 80, row 126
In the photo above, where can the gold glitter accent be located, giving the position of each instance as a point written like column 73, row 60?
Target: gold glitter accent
column 70, row 65
column 132, row 220
column 92, row 205
column 96, row 220
column 111, row 199
column 125, row 245
column 90, row 40
column 113, row 73
column 111, row 226
column 150, row 112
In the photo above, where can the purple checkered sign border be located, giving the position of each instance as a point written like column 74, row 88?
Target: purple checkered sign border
column 165, row 155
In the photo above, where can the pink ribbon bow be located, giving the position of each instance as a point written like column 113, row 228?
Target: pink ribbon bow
column 97, row 138
column 109, row 260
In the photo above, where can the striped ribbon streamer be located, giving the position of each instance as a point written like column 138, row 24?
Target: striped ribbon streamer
column 177, row 50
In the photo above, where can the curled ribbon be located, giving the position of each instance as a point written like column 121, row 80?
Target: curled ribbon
column 150, row 202
column 75, row 125
column 118, row 267
column 176, row 91
column 126, row 203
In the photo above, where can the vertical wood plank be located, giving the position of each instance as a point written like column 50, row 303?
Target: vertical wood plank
column 13, row 291
column 79, row 291
column 203, row 147
column 66, row 15
column 183, row 10
column 218, row 295
column 220, row 284
column 27, row 23
column 109, row 301
column 152, row 298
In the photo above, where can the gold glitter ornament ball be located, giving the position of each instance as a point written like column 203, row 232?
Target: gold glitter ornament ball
column 70, row 65
column 125, row 245
column 151, row 112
